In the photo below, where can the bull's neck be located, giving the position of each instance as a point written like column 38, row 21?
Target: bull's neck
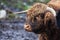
column 49, row 34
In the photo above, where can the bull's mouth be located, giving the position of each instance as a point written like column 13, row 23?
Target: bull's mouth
column 27, row 28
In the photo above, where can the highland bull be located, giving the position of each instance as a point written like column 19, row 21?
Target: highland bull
column 41, row 20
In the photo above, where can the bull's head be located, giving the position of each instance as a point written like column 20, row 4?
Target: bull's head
column 38, row 18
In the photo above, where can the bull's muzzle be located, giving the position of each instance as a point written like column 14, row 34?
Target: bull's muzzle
column 27, row 27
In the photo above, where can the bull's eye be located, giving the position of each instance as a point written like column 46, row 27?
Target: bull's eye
column 34, row 18
column 42, row 15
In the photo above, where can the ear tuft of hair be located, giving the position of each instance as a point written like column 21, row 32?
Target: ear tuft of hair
column 49, row 19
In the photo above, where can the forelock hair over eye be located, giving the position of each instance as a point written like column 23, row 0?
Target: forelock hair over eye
column 36, row 9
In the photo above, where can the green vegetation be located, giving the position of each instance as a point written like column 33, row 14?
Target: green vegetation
column 11, row 16
column 20, row 4
column 23, row 4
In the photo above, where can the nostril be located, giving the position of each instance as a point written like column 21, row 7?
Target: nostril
column 26, row 26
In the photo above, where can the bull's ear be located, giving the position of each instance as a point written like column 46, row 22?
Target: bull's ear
column 49, row 19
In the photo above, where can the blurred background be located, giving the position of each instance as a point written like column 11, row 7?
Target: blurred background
column 11, row 26
column 17, row 5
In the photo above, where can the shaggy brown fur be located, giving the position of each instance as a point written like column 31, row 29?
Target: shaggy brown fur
column 51, row 29
column 54, row 4
column 42, row 23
